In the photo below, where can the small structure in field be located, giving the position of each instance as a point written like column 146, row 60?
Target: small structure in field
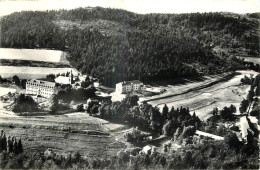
column 149, row 149
column 245, row 128
column 117, row 96
column 96, row 84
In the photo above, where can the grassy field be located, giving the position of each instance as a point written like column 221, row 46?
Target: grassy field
column 255, row 60
column 77, row 132
column 32, row 54
column 11, row 62
column 32, row 72
column 203, row 100
column 33, row 63
column 40, row 133
column 38, row 140
column 5, row 90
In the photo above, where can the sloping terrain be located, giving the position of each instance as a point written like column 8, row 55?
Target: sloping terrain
column 202, row 98
column 64, row 134
column 116, row 45
column 30, row 63
column 26, row 72
column 31, row 54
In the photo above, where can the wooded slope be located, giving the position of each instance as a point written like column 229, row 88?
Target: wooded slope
column 116, row 45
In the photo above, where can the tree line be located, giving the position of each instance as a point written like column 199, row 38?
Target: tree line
column 203, row 154
column 145, row 116
column 10, row 144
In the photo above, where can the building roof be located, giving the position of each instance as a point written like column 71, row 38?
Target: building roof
column 131, row 82
column 147, row 148
column 136, row 82
column 44, row 83
column 209, row 135
column 244, row 126
column 62, row 80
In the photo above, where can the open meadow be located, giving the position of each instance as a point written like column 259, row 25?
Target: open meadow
column 32, row 72
column 255, row 60
column 77, row 132
column 33, row 63
column 202, row 99
column 32, row 54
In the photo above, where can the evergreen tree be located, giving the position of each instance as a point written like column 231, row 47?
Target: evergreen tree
column 3, row 144
column 243, row 106
column 19, row 146
column 171, row 113
column 15, row 144
column 9, row 145
column 250, row 95
column 16, row 80
column 165, row 113
column 53, row 103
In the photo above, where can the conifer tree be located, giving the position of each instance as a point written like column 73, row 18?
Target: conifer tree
column 165, row 112
column 19, row 146
column 9, row 145
column 2, row 141
column 15, row 146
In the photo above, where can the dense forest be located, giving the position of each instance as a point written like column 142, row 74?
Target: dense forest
column 115, row 45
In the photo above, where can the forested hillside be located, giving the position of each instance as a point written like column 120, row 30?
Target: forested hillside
column 116, row 45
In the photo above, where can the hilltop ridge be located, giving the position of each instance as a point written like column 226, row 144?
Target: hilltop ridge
column 116, row 45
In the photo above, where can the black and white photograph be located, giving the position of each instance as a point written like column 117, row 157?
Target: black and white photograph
column 129, row 84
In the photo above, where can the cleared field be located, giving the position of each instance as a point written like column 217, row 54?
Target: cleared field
column 40, row 133
column 32, row 72
column 9, row 62
column 32, row 54
column 38, row 140
column 182, row 88
column 255, row 60
column 203, row 100
column 5, row 90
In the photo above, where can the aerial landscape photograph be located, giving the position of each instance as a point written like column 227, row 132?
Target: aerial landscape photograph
column 129, row 84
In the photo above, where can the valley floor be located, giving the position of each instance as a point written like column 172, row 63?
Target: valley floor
column 66, row 133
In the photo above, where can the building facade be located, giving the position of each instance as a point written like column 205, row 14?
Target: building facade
column 42, row 88
column 128, row 86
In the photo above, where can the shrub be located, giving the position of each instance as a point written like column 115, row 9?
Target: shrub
column 80, row 108
column 243, row 106
column 227, row 112
column 255, row 112
column 135, row 136
column 231, row 140
column 53, row 103
column 24, row 104
column 16, row 80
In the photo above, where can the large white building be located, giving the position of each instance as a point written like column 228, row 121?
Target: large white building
column 38, row 87
column 128, row 86
column 65, row 79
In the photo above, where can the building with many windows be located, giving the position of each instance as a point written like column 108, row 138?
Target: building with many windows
column 39, row 87
column 128, row 86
